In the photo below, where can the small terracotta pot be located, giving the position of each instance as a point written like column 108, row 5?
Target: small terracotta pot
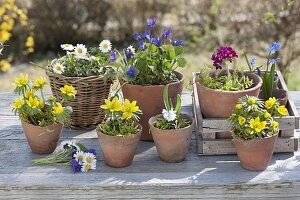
column 280, row 94
column 150, row 100
column 42, row 140
column 172, row 145
column 119, row 151
column 256, row 154
column 224, row 135
column 220, row 104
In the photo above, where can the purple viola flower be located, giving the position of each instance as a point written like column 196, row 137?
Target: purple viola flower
column 273, row 47
column 143, row 45
column 136, row 36
column 113, row 56
column 129, row 53
column 177, row 42
column 131, row 72
column 166, row 34
column 273, row 61
column 93, row 151
column 223, row 54
column 252, row 61
column 156, row 41
column 75, row 166
column 151, row 23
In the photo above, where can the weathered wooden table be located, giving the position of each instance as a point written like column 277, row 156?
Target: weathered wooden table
column 201, row 177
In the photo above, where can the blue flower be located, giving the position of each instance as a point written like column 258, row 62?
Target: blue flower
column 75, row 166
column 113, row 56
column 150, row 23
column 131, row 72
column 129, row 53
column 258, row 71
column 136, row 36
column 143, row 45
column 156, row 41
column 275, row 46
column 166, row 34
column 273, row 61
column 252, row 61
column 93, row 151
column 177, row 42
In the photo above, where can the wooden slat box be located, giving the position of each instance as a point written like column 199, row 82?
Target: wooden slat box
column 207, row 128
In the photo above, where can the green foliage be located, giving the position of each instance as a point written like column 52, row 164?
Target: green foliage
column 269, row 17
column 268, row 80
column 117, row 128
column 234, row 82
column 164, row 124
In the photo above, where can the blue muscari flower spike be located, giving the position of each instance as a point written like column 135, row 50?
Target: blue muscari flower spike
column 258, row 71
column 131, row 72
column 252, row 61
column 113, row 56
column 275, row 46
column 151, row 23
column 177, row 42
column 143, row 45
column 273, row 61
column 75, row 166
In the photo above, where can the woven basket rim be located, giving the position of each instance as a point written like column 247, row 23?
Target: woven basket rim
column 73, row 77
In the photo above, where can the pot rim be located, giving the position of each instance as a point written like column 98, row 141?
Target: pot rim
column 235, row 92
column 252, row 140
column 124, row 136
column 168, row 130
column 149, row 86
column 26, row 123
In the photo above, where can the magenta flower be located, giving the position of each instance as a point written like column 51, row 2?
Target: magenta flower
column 222, row 55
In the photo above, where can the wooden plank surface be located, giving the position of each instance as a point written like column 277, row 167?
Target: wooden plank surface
column 202, row 177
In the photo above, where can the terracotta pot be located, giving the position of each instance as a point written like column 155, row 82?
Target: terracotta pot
column 172, row 145
column 255, row 154
column 224, row 135
column 220, row 104
column 42, row 140
column 150, row 100
column 119, row 151
column 280, row 94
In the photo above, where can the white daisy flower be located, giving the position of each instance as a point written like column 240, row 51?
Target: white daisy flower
column 67, row 144
column 105, row 46
column 87, row 166
column 58, row 68
column 67, row 47
column 89, row 158
column 80, row 51
column 131, row 49
column 169, row 115
column 79, row 155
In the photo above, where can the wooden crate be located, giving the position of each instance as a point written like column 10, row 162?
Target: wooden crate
column 207, row 128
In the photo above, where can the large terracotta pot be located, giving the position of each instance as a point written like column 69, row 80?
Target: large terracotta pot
column 150, row 100
column 172, row 145
column 42, row 140
column 119, row 151
column 220, row 104
column 255, row 154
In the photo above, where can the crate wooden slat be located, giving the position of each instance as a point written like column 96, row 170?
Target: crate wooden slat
column 207, row 128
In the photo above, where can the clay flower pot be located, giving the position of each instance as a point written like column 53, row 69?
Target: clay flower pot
column 149, row 99
column 220, row 104
column 255, row 154
column 42, row 140
column 172, row 145
column 119, row 151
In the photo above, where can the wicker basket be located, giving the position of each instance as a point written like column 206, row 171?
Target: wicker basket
column 91, row 92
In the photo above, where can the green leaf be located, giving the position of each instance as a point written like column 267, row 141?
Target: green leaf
column 181, row 62
column 166, row 97
column 178, row 50
column 167, row 64
column 178, row 104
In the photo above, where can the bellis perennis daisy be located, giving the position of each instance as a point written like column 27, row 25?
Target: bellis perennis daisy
column 80, row 51
column 58, row 68
column 67, row 47
column 105, row 46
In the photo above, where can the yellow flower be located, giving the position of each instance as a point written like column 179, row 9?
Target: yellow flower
column 275, row 124
column 238, row 106
column 57, row 109
column 242, row 120
column 128, row 109
column 4, row 36
column 41, row 103
column 22, row 80
column 39, row 83
column 51, row 98
column 19, row 102
column 267, row 115
column 270, row 103
column 113, row 106
column 251, row 101
column 5, row 66
column 257, row 125
column 282, row 110
column 29, row 93
column 33, row 102
column 29, row 42
column 68, row 90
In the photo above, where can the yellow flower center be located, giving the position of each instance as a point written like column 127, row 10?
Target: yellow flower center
column 58, row 68
column 87, row 167
column 79, row 50
column 251, row 101
column 80, row 157
column 89, row 159
column 105, row 46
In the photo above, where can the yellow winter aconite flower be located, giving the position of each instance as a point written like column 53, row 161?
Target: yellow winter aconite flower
column 275, row 124
column 57, row 109
column 251, row 101
column 270, row 103
column 51, row 98
column 22, row 80
column 4, row 35
column 29, row 93
column 4, row 66
column 238, row 106
column 68, row 90
column 113, row 106
column 19, row 102
column 128, row 109
column 41, row 103
column 257, row 125
column 241, row 120
column 29, row 42
column 282, row 110
column 33, row 102
column 267, row 115
column 39, row 83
